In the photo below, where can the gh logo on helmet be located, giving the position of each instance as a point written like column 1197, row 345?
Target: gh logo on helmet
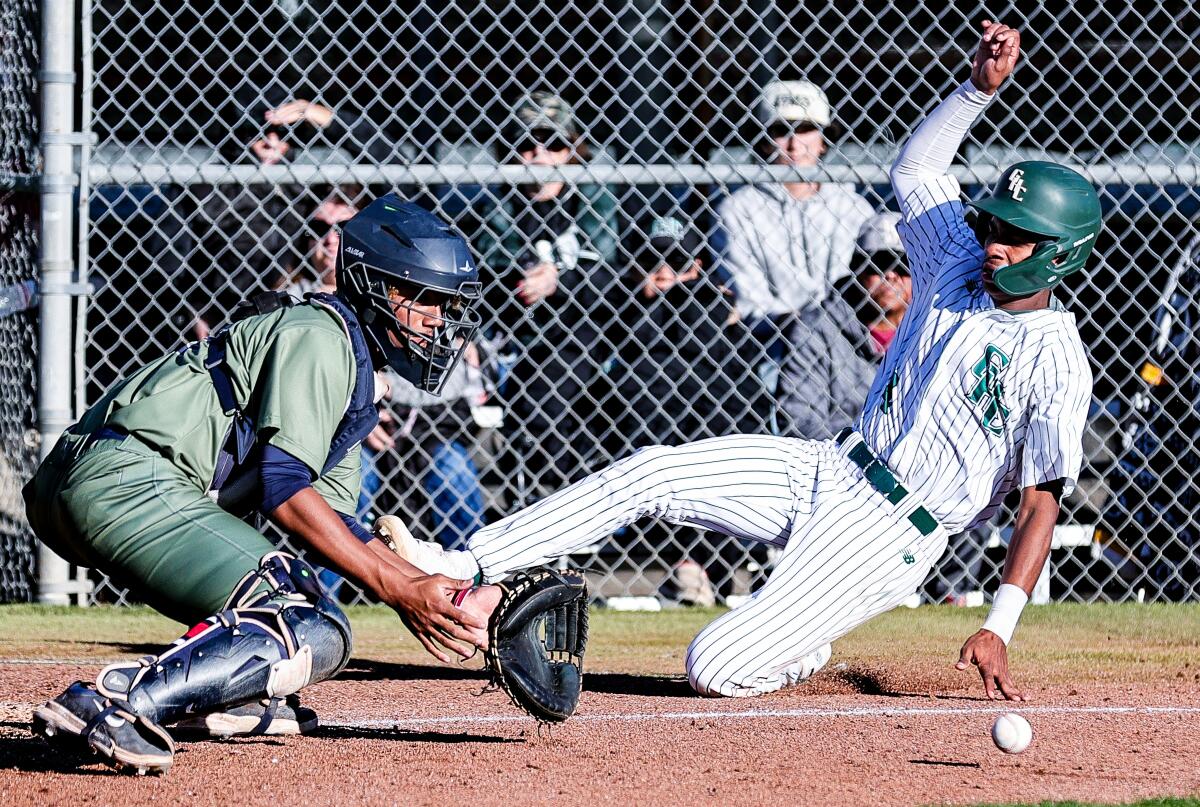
column 1016, row 185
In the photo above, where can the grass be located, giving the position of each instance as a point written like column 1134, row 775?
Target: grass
column 1127, row 642
column 1167, row 802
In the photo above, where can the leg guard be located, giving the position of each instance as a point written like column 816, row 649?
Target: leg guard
column 262, row 644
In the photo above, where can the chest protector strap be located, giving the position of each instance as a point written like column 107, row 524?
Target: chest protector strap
column 235, row 459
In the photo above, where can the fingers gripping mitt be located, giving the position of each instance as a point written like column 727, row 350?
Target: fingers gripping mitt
column 536, row 639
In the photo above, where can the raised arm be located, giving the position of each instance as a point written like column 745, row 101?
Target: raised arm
column 927, row 155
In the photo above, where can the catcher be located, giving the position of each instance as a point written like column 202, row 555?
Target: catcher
column 266, row 415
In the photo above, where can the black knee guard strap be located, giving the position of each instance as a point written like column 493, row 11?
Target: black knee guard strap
column 262, row 644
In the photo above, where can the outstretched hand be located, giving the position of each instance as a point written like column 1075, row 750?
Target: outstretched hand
column 996, row 57
column 424, row 604
column 986, row 651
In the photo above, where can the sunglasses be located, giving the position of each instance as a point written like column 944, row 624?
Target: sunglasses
column 549, row 143
column 1000, row 232
column 781, row 129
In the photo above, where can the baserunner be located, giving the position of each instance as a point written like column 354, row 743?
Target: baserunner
column 984, row 388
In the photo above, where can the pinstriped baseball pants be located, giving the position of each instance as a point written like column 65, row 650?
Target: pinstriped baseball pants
column 848, row 554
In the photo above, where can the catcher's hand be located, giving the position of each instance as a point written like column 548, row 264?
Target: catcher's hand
column 536, row 639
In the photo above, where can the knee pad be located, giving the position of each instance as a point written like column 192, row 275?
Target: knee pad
column 276, row 634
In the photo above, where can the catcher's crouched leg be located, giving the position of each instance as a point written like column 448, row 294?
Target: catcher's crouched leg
column 537, row 635
column 262, row 646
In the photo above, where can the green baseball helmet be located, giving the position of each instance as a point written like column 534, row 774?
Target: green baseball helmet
column 1051, row 201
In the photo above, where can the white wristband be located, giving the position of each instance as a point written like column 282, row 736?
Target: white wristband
column 1006, row 610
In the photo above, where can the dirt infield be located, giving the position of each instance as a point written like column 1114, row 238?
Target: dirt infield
column 1114, row 708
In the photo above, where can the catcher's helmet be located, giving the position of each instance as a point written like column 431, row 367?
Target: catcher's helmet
column 1052, row 202
column 396, row 246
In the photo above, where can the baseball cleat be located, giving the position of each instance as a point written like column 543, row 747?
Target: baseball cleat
column 429, row 557
column 810, row 665
column 257, row 718
column 425, row 555
column 81, row 719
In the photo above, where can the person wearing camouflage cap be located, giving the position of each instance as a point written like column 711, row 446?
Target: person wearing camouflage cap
column 547, row 252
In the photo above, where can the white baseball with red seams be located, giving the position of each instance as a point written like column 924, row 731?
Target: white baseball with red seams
column 969, row 402
column 1012, row 733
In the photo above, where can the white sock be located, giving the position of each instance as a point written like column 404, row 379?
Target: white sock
column 461, row 564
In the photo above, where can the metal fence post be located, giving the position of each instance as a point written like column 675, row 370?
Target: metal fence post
column 57, row 267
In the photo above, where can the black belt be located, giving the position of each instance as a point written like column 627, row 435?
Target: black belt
column 883, row 480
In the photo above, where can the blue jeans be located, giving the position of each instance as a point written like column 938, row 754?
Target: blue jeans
column 452, row 483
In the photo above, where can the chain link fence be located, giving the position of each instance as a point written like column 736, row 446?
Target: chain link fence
column 560, row 138
column 19, row 169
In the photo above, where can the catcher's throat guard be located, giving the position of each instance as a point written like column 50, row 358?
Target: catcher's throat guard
column 536, row 639
column 1058, row 206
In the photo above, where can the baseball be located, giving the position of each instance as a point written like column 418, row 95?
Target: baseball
column 1012, row 733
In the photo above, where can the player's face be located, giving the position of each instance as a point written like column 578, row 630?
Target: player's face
column 1005, row 246
column 324, row 252
column 800, row 146
column 420, row 317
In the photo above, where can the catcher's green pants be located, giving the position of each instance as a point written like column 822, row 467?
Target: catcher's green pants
column 119, row 506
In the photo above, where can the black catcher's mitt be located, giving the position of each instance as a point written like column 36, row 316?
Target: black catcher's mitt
column 536, row 639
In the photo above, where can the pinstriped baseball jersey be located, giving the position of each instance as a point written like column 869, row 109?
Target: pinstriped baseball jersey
column 972, row 400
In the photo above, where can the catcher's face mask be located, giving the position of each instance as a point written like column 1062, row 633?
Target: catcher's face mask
column 432, row 327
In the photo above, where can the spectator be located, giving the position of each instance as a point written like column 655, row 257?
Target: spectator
column 353, row 132
column 788, row 243
column 679, row 375
column 684, row 371
column 881, row 271
column 245, row 233
column 832, row 356
column 316, row 270
column 548, row 248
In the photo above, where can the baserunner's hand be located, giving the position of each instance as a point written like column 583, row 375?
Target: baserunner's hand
column 424, row 604
column 987, row 652
column 996, row 57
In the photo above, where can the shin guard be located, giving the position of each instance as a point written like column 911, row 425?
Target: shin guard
column 276, row 634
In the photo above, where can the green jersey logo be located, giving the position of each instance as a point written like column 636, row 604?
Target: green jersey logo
column 987, row 392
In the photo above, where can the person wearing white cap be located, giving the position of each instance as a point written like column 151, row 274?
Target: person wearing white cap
column 789, row 242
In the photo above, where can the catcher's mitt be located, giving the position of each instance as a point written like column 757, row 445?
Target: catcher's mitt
column 536, row 639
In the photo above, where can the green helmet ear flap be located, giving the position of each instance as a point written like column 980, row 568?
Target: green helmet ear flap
column 1033, row 274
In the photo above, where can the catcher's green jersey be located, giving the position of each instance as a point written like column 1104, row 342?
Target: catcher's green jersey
column 292, row 372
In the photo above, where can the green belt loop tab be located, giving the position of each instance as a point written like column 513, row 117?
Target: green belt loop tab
column 923, row 521
column 883, row 480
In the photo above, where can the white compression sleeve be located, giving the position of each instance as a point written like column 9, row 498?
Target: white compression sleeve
column 931, row 148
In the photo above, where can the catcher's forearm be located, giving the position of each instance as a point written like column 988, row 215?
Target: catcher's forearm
column 309, row 517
